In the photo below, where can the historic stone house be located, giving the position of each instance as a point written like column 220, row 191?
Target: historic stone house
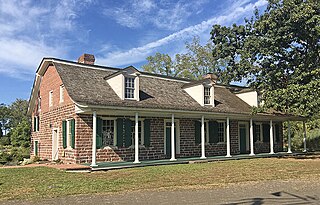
column 84, row 113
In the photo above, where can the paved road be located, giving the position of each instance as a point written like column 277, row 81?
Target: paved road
column 254, row 193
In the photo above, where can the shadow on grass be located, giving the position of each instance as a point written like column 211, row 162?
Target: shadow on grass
column 279, row 198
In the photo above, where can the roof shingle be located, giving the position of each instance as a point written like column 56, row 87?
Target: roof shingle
column 87, row 86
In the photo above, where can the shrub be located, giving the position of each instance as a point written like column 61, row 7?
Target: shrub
column 12, row 155
column 313, row 140
column 4, row 141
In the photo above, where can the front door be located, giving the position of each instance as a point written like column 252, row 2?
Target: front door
column 55, row 153
column 168, row 141
column 243, row 138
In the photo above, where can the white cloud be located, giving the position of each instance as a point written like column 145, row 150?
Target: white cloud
column 29, row 31
column 139, row 54
column 162, row 14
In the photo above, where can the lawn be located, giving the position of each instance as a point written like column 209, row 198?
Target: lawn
column 43, row 182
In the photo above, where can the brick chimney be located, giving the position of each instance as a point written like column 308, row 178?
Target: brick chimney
column 211, row 76
column 86, row 59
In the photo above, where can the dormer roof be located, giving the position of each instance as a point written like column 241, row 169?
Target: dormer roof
column 127, row 70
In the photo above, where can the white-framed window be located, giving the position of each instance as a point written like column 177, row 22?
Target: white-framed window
column 221, row 131
column 140, row 132
column 206, row 131
column 109, row 132
column 51, row 98
column 69, row 133
column 129, row 88
column 61, row 93
column 36, row 123
column 207, row 95
column 258, row 132
column 39, row 103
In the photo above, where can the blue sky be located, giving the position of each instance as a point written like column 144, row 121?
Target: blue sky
column 119, row 33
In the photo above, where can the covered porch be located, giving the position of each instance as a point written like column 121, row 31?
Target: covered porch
column 171, row 129
column 106, row 166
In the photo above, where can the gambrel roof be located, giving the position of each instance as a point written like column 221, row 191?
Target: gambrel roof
column 88, row 86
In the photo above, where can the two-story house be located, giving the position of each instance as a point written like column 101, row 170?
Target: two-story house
column 84, row 113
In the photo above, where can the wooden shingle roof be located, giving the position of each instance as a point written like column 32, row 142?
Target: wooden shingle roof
column 87, row 85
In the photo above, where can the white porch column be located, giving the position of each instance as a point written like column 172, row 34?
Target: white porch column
column 173, row 155
column 228, row 138
column 251, row 138
column 203, row 154
column 271, row 138
column 136, row 140
column 94, row 139
column 289, row 138
column 304, row 137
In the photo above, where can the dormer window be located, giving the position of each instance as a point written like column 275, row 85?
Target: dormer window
column 207, row 95
column 129, row 88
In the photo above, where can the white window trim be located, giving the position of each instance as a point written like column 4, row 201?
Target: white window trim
column 39, row 104
column 134, row 89
column 136, row 86
column 37, row 123
column 224, row 131
column 51, row 98
column 142, row 133
column 210, row 95
column 207, row 132
column 114, row 133
column 260, row 139
column 177, row 138
column 69, row 136
column 62, row 89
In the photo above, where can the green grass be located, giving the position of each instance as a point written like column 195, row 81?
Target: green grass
column 43, row 182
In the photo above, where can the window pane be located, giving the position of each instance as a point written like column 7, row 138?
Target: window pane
column 129, row 87
column 107, row 132
column 207, row 95
column 221, row 131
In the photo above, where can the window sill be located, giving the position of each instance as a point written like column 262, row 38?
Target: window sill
column 68, row 149
column 131, row 99
column 110, row 147
column 140, row 146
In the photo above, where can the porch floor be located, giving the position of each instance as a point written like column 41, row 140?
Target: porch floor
column 105, row 166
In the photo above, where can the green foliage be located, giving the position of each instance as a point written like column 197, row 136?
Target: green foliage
column 12, row 155
column 193, row 64
column 160, row 64
column 18, row 113
column 20, row 135
column 14, row 119
column 4, row 117
column 4, row 141
column 277, row 52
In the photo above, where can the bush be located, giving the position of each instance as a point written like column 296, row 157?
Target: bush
column 313, row 140
column 4, row 141
column 12, row 155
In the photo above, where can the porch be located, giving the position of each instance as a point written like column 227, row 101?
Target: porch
column 106, row 166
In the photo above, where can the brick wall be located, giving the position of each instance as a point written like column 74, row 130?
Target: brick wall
column 51, row 117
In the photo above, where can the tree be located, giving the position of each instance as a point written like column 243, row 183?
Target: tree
column 278, row 53
column 18, row 113
column 160, row 64
column 20, row 135
column 193, row 64
column 4, row 118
